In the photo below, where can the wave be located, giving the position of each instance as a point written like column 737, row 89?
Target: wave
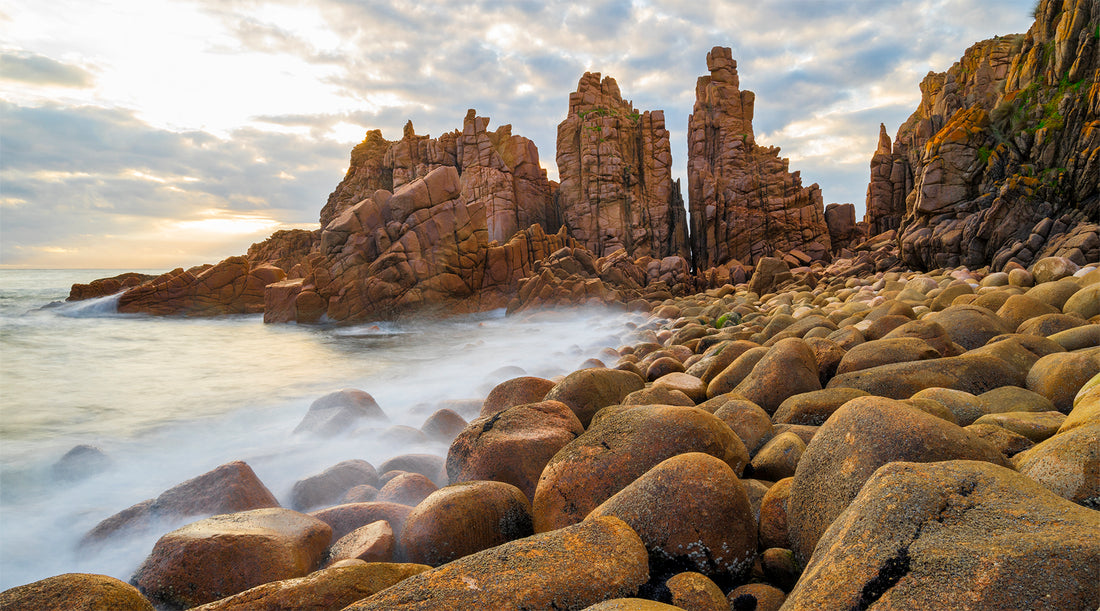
column 98, row 307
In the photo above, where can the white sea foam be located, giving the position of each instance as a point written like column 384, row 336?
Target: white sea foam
column 88, row 308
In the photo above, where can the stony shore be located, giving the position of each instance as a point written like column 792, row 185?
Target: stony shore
column 900, row 440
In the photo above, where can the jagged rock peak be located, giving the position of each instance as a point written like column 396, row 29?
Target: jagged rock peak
column 745, row 203
column 615, row 167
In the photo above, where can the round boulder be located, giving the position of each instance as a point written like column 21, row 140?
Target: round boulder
column 517, row 391
column 788, row 368
column 589, row 390
column 462, row 519
column 693, row 514
column 332, row 484
column 75, row 591
column 1068, row 464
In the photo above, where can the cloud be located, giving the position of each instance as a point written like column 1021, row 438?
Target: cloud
column 26, row 67
column 70, row 173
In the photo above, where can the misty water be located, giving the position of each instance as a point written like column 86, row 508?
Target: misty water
column 168, row 399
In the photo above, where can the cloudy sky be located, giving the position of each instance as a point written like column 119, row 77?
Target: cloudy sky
column 165, row 133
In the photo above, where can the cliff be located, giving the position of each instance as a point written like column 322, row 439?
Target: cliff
column 1001, row 160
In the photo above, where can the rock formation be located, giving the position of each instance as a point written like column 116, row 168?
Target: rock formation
column 285, row 249
column 616, row 179
column 498, row 170
column 422, row 246
column 1001, row 161
column 843, row 229
column 745, row 204
column 234, row 286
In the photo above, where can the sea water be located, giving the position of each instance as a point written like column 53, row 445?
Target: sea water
column 169, row 398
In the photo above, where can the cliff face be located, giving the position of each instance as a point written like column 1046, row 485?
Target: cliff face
column 1001, row 160
column 616, row 178
column 745, row 203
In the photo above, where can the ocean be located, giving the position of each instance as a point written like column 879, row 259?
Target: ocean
column 167, row 399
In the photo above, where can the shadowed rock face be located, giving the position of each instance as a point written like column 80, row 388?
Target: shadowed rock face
column 999, row 162
column 745, row 203
column 616, row 180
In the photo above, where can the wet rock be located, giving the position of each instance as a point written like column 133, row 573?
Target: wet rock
column 229, row 488
column 617, row 450
column 81, row 462
column 406, row 489
column 788, row 368
column 326, row 590
column 443, row 425
column 957, row 537
column 371, row 543
column 360, row 494
column 233, row 286
column 230, row 553
column 429, row 465
column 75, row 591
column 693, row 514
column 570, row 568
column 346, row 518
column 589, row 390
column 329, row 486
column 696, row 592
column 864, row 434
column 514, row 445
column 1068, row 464
column 516, row 391
column 780, row 567
column 462, row 519
column 340, row 412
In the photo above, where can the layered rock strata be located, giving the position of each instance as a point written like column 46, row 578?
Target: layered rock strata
column 745, row 203
column 616, row 180
column 1001, row 161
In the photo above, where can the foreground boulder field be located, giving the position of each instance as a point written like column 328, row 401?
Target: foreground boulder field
column 725, row 461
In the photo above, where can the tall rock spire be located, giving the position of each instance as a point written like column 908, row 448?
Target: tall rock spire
column 616, row 179
column 744, row 201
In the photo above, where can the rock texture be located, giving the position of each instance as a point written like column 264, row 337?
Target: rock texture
column 616, row 179
column 745, row 203
column 1001, row 161
column 234, row 286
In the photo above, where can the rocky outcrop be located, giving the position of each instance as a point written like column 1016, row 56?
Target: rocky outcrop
column 498, row 170
column 234, row 286
column 285, row 249
column 423, row 246
column 745, row 203
column 1001, row 161
column 616, row 180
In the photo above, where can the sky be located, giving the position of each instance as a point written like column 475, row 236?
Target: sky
column 153, row 134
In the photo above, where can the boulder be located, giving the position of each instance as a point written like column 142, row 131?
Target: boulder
column 970, row 326
column 886, row 351
column 229, row 488
column 429, row 465
column 589, row 390
column 343, row 519
column 964, row 406
column 617, row 450
column 443, row 425
column 1059, row 376
column 329, row 486
column 788, row 368
column 727, row 379
column 1036, row 426
column 462, row 519
column 371, row 543
column 861, row 436
column 972, row 373
column 1009, row 443
column 340, row 412
column 75, row 591
column 695, row 591
column 326, row 590
column 512, row 446
column 79, row 463
column 406, row 489
column 918, row 535
column 693, row 514
column 756, row 597
column 516, row 391
column 226, row 554
column 773, row 515
column 751, row 423
column 1068, row 464
column 815, row 407
column 779, row 457
column 569, row 568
